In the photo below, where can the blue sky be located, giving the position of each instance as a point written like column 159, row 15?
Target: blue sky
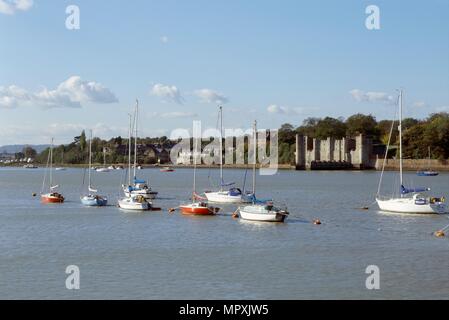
column 274, row 61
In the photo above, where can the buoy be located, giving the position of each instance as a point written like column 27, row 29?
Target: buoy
column 171, row 210
column 316, row 221
column 439, row 233
column 33, row 194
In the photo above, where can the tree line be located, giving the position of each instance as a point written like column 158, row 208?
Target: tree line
column 418, row 135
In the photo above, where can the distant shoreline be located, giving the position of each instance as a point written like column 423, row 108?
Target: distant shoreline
column 390, row 166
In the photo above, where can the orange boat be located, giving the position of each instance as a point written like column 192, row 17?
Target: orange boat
column 198, row 208
column 53, row 197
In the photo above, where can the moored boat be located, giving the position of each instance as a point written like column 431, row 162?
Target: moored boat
column 201, row 208
column 92, row 198
column 52, row 196
column 263, row 211
column 411, row 200
column 232, row 195
column 134, row 203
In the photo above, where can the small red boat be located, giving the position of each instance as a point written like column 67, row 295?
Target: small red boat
column 53, row 197
column 167, row 169
column 198, row 208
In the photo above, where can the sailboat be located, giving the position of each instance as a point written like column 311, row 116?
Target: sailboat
column 429, row 172
column 411, row 200
column 62, row 162
column 104, row 168
column 260, row 210
column 232, row 195
column 52, row 196
column 197, row 207
column 132, row 201
column 92, row 199
column 139, row 186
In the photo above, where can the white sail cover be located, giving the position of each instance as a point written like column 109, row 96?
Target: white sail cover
column 91, row 189
column 54, row 187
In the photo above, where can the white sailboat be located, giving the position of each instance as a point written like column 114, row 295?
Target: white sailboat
column 92, row 198
column 132, row 201
column 232, row 195
column 104, row 168
column 261, row 211
column 62, row 162
column 411, row 200
column 139, row 186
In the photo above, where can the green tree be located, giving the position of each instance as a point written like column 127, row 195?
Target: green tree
column 287, row 134
column 360, row 123
column 83, row 141
column 330, row 127
column 308, row 127
column 29, row 152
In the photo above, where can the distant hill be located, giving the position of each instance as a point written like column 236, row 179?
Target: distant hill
column 19, row 147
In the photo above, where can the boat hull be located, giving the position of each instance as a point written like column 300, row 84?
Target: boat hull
column 52, row 198
column 194, row 209
column 253, row 213
column 144, row 193
column 130, row 204
column 427, row 173
column 225, row 197
column 409, row 205
column 94, row 201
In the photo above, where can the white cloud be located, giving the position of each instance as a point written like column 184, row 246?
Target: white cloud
column 167, row 92
column 371, row 96
column 71, row 93
column 211, row 96
column 11, row 6
column 275, row 109
column 164, row 39
column 173, row 115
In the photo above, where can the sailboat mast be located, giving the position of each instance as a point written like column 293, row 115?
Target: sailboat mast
column 400, row 137
column 194, row 166
column 90, row 156
column 129, row 152
column 135, row 138
column 255, row 156
column 51, row 163
column 221, row 148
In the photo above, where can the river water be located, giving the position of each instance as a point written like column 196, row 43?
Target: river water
column 157, row 255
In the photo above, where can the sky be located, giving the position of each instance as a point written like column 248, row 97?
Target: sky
column 271, row 61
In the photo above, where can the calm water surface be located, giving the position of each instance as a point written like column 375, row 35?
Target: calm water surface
column 157, row 255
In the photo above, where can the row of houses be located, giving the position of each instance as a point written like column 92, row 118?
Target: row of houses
column 148, row 153
column 6, row 158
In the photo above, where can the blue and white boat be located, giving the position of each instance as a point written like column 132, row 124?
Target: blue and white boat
column 92, row 199
column 231, row 195
column 139, row 187
column 261, row 210
column 411, row 200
